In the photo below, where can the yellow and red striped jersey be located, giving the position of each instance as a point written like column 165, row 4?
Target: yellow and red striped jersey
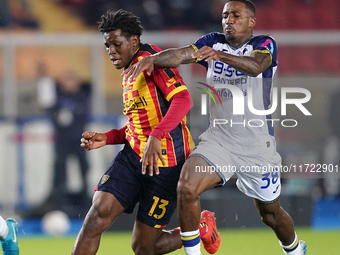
column 145, row 103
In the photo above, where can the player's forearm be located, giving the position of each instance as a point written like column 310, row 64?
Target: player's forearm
column 116, row 136
column 252, row 65
column 174, row 57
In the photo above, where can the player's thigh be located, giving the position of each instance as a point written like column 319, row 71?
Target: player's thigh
column 106, row 205
column 121, row 179
column 144, row 237
column 197, row 175
column 104, row 210
column 209, row 164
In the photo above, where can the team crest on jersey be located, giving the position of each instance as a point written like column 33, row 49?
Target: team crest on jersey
column 105, row 178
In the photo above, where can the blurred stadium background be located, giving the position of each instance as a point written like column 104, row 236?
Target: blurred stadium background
column 61, row 35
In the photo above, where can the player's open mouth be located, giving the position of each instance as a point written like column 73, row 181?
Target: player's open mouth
column 116, row 61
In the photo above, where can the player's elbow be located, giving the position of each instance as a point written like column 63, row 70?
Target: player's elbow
column 254, row 74
column 256, row 71
column 188, row 103
column 184, row 101
column 258, row 68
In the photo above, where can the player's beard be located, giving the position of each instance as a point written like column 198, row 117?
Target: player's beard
column 230, row 37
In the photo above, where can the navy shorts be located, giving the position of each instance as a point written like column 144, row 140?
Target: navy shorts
column 156, row 194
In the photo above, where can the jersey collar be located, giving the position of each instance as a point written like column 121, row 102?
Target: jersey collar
column 245, row 42
column 133, row 57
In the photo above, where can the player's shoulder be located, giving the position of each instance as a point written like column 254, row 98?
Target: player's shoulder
column 211, row 39
column 261, row 39
column 215, row 36
column 148, row 49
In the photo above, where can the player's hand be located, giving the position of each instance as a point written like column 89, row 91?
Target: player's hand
column 92, row 140
column 135, row 70
column 206, row 53
column 151, row 154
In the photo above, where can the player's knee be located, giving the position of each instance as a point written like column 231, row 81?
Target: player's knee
column 186, row 191
column 140, row 248
column 99, row 211
column 268, row 219
column 160, row 248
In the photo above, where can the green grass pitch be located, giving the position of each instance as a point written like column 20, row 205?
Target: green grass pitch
column 234, row 242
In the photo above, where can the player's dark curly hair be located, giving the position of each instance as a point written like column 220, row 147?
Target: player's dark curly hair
column 126, row 21
column 249, row 4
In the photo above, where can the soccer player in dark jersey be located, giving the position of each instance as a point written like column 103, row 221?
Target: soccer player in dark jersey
column 157, row 143
column 246, row 63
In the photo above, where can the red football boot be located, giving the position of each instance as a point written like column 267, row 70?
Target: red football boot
column 211, row 239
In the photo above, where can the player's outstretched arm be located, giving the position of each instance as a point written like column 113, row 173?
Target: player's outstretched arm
column 251, row 65
column 93, row 140
column 168, row 58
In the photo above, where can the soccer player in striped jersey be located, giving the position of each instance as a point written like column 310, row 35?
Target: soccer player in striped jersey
column 157, row 143
column 246, row 63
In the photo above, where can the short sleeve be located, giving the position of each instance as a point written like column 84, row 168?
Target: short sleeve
column 209, row 40
column 266, row 44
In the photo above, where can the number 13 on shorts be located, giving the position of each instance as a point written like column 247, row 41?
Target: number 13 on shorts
column 161, row 204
